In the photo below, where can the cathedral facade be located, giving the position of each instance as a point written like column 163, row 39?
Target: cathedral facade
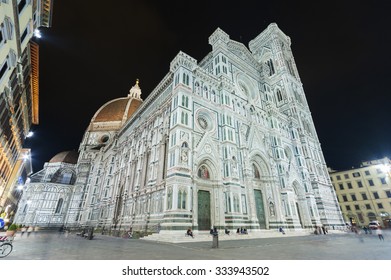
column 227, row 142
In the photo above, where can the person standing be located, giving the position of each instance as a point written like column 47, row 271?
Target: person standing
column 379, row 233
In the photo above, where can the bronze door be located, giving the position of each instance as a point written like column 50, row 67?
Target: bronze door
column 260, row 209
column 204, row 210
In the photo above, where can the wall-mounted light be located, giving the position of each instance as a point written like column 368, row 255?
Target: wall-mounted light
column 37, row 33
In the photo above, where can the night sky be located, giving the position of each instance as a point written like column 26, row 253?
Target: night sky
column 95, row 51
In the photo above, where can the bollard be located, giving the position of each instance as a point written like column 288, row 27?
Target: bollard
column 215, row 243
column 90, row 233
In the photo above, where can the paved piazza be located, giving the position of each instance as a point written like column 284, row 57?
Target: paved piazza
column 333, row 246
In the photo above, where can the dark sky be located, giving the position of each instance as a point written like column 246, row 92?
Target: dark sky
column 95, row 50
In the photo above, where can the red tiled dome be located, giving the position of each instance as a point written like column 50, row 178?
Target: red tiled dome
column 67, row 157
column 117, row 110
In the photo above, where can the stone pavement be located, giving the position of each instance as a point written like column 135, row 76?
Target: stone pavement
column 180, row 237
column 262, row 246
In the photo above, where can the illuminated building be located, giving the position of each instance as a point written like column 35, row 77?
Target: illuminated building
column 364, row 193
column 19, row 84
column 47, row 195
column 227, row 142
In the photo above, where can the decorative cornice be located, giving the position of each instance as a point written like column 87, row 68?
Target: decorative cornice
column 242, row 52
column 218, row 36
column 267, row 35
column 205, row 76
column 183, row 60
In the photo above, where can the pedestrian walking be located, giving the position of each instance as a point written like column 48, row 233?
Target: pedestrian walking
column 61, row 230
column 365, row 229
column 36, row 229
column 23, row 230
column 30, row 230
column 379, row 233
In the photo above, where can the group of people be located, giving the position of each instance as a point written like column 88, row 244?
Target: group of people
column 320, row 230
column 354, row 228
column 28, row 230
column 241, row 231
column 378, row 231
column 213, row 231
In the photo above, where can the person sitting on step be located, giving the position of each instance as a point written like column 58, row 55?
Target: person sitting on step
column 189, row 232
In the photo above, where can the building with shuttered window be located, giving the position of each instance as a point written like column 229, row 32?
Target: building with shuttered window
column 364, row 192
column 19, row 90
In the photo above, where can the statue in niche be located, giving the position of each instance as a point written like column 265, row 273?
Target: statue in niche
column 234, row 169
column 272, row 210
column 184, row 157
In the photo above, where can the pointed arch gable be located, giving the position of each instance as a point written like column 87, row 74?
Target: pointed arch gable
column 297, row 188
column 259, row 161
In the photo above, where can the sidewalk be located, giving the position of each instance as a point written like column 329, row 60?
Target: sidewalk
column 180, row 237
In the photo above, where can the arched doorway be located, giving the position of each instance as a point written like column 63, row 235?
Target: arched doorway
column 259, row 169
column 204, row 199
column 297, row 203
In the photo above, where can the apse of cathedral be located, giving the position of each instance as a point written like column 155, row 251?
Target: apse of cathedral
column 226, row 142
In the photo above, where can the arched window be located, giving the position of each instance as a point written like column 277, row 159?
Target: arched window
column 185, row 79
column 203, row 172
column 184, row 118
column 185, row 145
column 160, row 205
column 59, row 206
column 185, row 101
column 270, row 65
column 169, row 199
column 213, row 96
column 197, row 88
column 182, row 199
column 206, row 92
column 66, row 178
column 279, row 95
column 256, row 172
column 371, row 216
column 236, row 204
